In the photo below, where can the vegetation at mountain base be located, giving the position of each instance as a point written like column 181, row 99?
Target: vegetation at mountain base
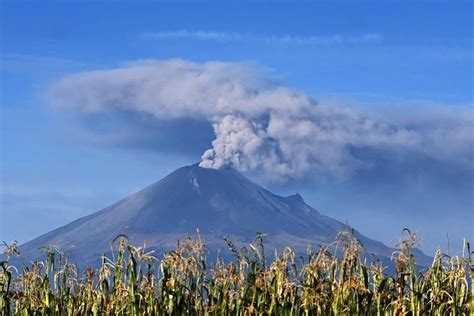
column 336, row 279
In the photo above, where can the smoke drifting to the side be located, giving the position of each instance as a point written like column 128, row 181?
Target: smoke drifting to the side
column 262, row 125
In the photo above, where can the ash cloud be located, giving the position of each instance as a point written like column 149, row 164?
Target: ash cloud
column 261, row 124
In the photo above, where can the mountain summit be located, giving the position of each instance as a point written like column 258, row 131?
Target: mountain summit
column 217, row 202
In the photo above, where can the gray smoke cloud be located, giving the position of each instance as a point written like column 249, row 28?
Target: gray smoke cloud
column 262, row 125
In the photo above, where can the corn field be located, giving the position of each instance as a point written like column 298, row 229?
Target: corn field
column 334, row 280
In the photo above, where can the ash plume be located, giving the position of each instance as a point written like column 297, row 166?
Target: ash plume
column 263, row 125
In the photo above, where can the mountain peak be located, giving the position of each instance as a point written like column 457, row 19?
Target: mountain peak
column 210, row 178
column 225, row 168
column 296, row 197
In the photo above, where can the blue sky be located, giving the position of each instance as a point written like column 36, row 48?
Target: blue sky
column 367, row 56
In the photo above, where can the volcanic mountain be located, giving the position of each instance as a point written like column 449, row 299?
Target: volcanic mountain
column 217, row 202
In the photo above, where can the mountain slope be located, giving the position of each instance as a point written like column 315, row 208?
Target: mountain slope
column 218, row 202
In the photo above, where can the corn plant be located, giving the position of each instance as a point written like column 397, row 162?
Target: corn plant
column 336, row 279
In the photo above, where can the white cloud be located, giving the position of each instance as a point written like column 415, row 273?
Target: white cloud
column 202, row 35
column 261, row 124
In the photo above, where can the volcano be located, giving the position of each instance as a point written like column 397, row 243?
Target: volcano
column 220, row 203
